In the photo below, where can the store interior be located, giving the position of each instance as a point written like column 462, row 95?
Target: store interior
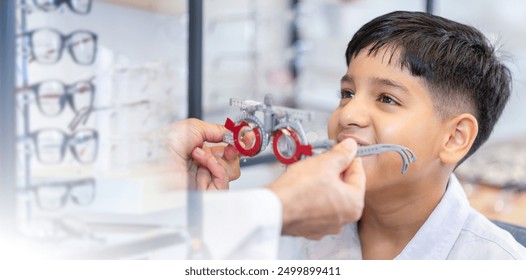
column 80, row 173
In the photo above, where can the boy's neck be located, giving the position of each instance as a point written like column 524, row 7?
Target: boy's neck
column 390, row 220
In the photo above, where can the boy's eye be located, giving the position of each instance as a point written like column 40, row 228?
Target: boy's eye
column 388, row 100
column 345, row 93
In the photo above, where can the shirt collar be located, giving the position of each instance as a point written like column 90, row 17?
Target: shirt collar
column 436, row 237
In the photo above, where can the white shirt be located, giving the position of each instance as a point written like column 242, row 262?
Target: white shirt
column 454, row 230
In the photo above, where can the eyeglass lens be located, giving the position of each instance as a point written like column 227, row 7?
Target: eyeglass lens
column 83, row 192
column 47, row 46
column 77, row 6
column 82, row 94
column 51, row 98
column 52, row 197
column 83, row 145
column 50, row 146
column 287, row 146
column 82, row 47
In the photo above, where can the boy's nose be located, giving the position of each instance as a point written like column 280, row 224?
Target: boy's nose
column 355, row 112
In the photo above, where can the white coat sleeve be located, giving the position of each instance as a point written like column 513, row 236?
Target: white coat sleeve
column 243, row 224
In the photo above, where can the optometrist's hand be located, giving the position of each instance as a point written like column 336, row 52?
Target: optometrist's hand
column 217, row 166
column 321, row 194
column 206, row 167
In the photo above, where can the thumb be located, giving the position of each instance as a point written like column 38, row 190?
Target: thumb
column 355, row 175
column 341, row 155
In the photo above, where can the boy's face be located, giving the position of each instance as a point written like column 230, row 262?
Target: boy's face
column 383, row 103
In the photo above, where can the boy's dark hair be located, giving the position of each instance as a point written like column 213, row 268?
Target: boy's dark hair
column 456, row 61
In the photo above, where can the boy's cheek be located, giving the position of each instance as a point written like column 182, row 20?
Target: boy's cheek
column 332, row 127
column 382, row 167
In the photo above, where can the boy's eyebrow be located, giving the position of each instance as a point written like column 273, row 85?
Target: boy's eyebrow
column 346, row 78
column 378, row 81
column 390, row 83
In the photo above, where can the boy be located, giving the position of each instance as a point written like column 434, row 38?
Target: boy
column 436, row 87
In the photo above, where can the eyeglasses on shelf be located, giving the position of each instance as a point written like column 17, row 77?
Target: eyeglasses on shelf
column 55, row 195
column 53, row 95
column 82, row 7
column 48, row 44
column 51, row 145
column 62, row 231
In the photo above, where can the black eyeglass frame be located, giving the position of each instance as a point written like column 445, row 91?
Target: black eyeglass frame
column 58, row 3
column 65, row 144
column 69, row 185
column 64, row 42
column 66, row 96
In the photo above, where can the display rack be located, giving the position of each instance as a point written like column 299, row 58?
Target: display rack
column 7, row 117
column 197, row 248
column 24, row 80
column 195, row 58
column 25, row 215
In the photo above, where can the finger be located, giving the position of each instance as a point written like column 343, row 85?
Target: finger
column 183, row 136
column 209, row 161
column 231, row 168
column 228, row 158
column 203, row 179
column 192, row 176
column 219, row 173
column 217, row 151
column 230, row 161
column 249, row 139
column 231, row 153
column 209, row 132
column 341, row 155
column 355, row 175
column 355, row 179
column 201, row 155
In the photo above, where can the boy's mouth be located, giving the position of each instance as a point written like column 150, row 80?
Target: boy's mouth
column 358, row 140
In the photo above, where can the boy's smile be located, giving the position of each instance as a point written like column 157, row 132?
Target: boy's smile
column 382, row 103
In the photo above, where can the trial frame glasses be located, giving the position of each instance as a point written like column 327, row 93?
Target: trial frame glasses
column 47, row 45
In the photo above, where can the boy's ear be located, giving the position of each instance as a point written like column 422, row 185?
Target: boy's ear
column 461, row 132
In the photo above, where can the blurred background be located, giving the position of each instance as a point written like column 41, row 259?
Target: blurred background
column 96, row 81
